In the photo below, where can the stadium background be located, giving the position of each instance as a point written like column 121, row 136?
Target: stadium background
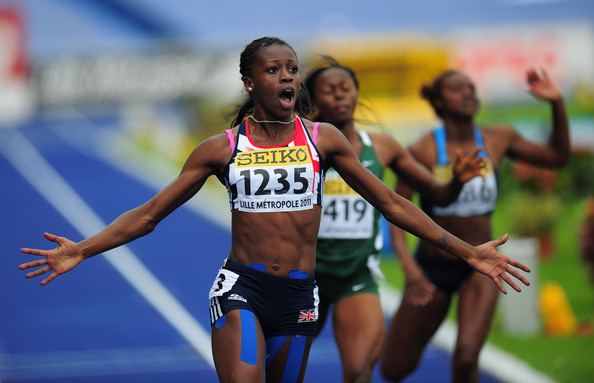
column 104, row 89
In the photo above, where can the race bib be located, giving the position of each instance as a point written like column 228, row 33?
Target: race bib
column 277, row 179
column 478, row 196
column 345, row 214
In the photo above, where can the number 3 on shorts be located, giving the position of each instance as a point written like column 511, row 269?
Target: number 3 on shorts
column 223, row 282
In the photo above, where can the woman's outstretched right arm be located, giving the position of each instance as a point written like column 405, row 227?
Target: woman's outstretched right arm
column 208, row 158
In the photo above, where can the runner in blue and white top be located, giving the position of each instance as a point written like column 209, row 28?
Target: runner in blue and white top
column 433, row 277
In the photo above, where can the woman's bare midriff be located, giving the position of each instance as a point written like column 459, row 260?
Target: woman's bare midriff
column 280, row 241
column 474, row 230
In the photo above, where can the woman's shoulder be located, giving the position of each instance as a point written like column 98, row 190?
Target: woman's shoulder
column 214, row 149
column 423, row 139
column 423, row 146
column 375, row 135
column 324, row 128
column 321, row 125
column 384, row 140
column 221, row 138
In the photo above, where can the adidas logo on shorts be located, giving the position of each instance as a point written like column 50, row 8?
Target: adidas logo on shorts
column 236, row 297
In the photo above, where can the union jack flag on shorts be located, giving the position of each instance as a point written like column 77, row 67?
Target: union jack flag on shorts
column 307, row 316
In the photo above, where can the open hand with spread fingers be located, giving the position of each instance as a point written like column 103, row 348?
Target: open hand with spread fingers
column 469, row 165
column 65, row 257
column 541, row 85
column 498, row 266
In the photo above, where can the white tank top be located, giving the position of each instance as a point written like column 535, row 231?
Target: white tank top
column 285, row 177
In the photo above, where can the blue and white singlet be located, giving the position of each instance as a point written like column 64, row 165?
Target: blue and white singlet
column 478, row 196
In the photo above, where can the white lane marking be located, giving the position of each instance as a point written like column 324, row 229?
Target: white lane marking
column 40, row 174
column 116, row 149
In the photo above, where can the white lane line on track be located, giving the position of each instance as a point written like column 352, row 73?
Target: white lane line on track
column 40, row 174
column 116, row 149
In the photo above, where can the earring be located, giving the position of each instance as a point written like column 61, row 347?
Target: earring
column 249, row 89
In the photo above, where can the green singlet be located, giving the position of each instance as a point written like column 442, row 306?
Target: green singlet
column 349, row 239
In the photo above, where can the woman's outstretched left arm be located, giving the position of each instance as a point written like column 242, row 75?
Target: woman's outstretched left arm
column 485, row 258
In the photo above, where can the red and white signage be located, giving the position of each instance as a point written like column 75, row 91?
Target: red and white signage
column 497, row 58
column 15, row 98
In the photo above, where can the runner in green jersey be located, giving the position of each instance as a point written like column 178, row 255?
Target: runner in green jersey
column 349, row 225
column 349, row 240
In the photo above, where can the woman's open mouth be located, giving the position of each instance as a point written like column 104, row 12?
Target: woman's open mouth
column 286, row 97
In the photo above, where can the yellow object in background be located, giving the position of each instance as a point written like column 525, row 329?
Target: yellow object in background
column 558, row 317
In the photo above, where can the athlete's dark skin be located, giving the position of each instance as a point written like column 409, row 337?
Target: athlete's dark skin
column 423, row 307
column 335, row 97
column 256, row 237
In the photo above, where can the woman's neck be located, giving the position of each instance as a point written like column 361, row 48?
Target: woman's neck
column 273, row 122
column 261, row 114
column 459, row 129
column 264, row 132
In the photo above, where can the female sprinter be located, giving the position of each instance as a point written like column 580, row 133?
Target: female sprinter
column 349, row 241
column 436, row 276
